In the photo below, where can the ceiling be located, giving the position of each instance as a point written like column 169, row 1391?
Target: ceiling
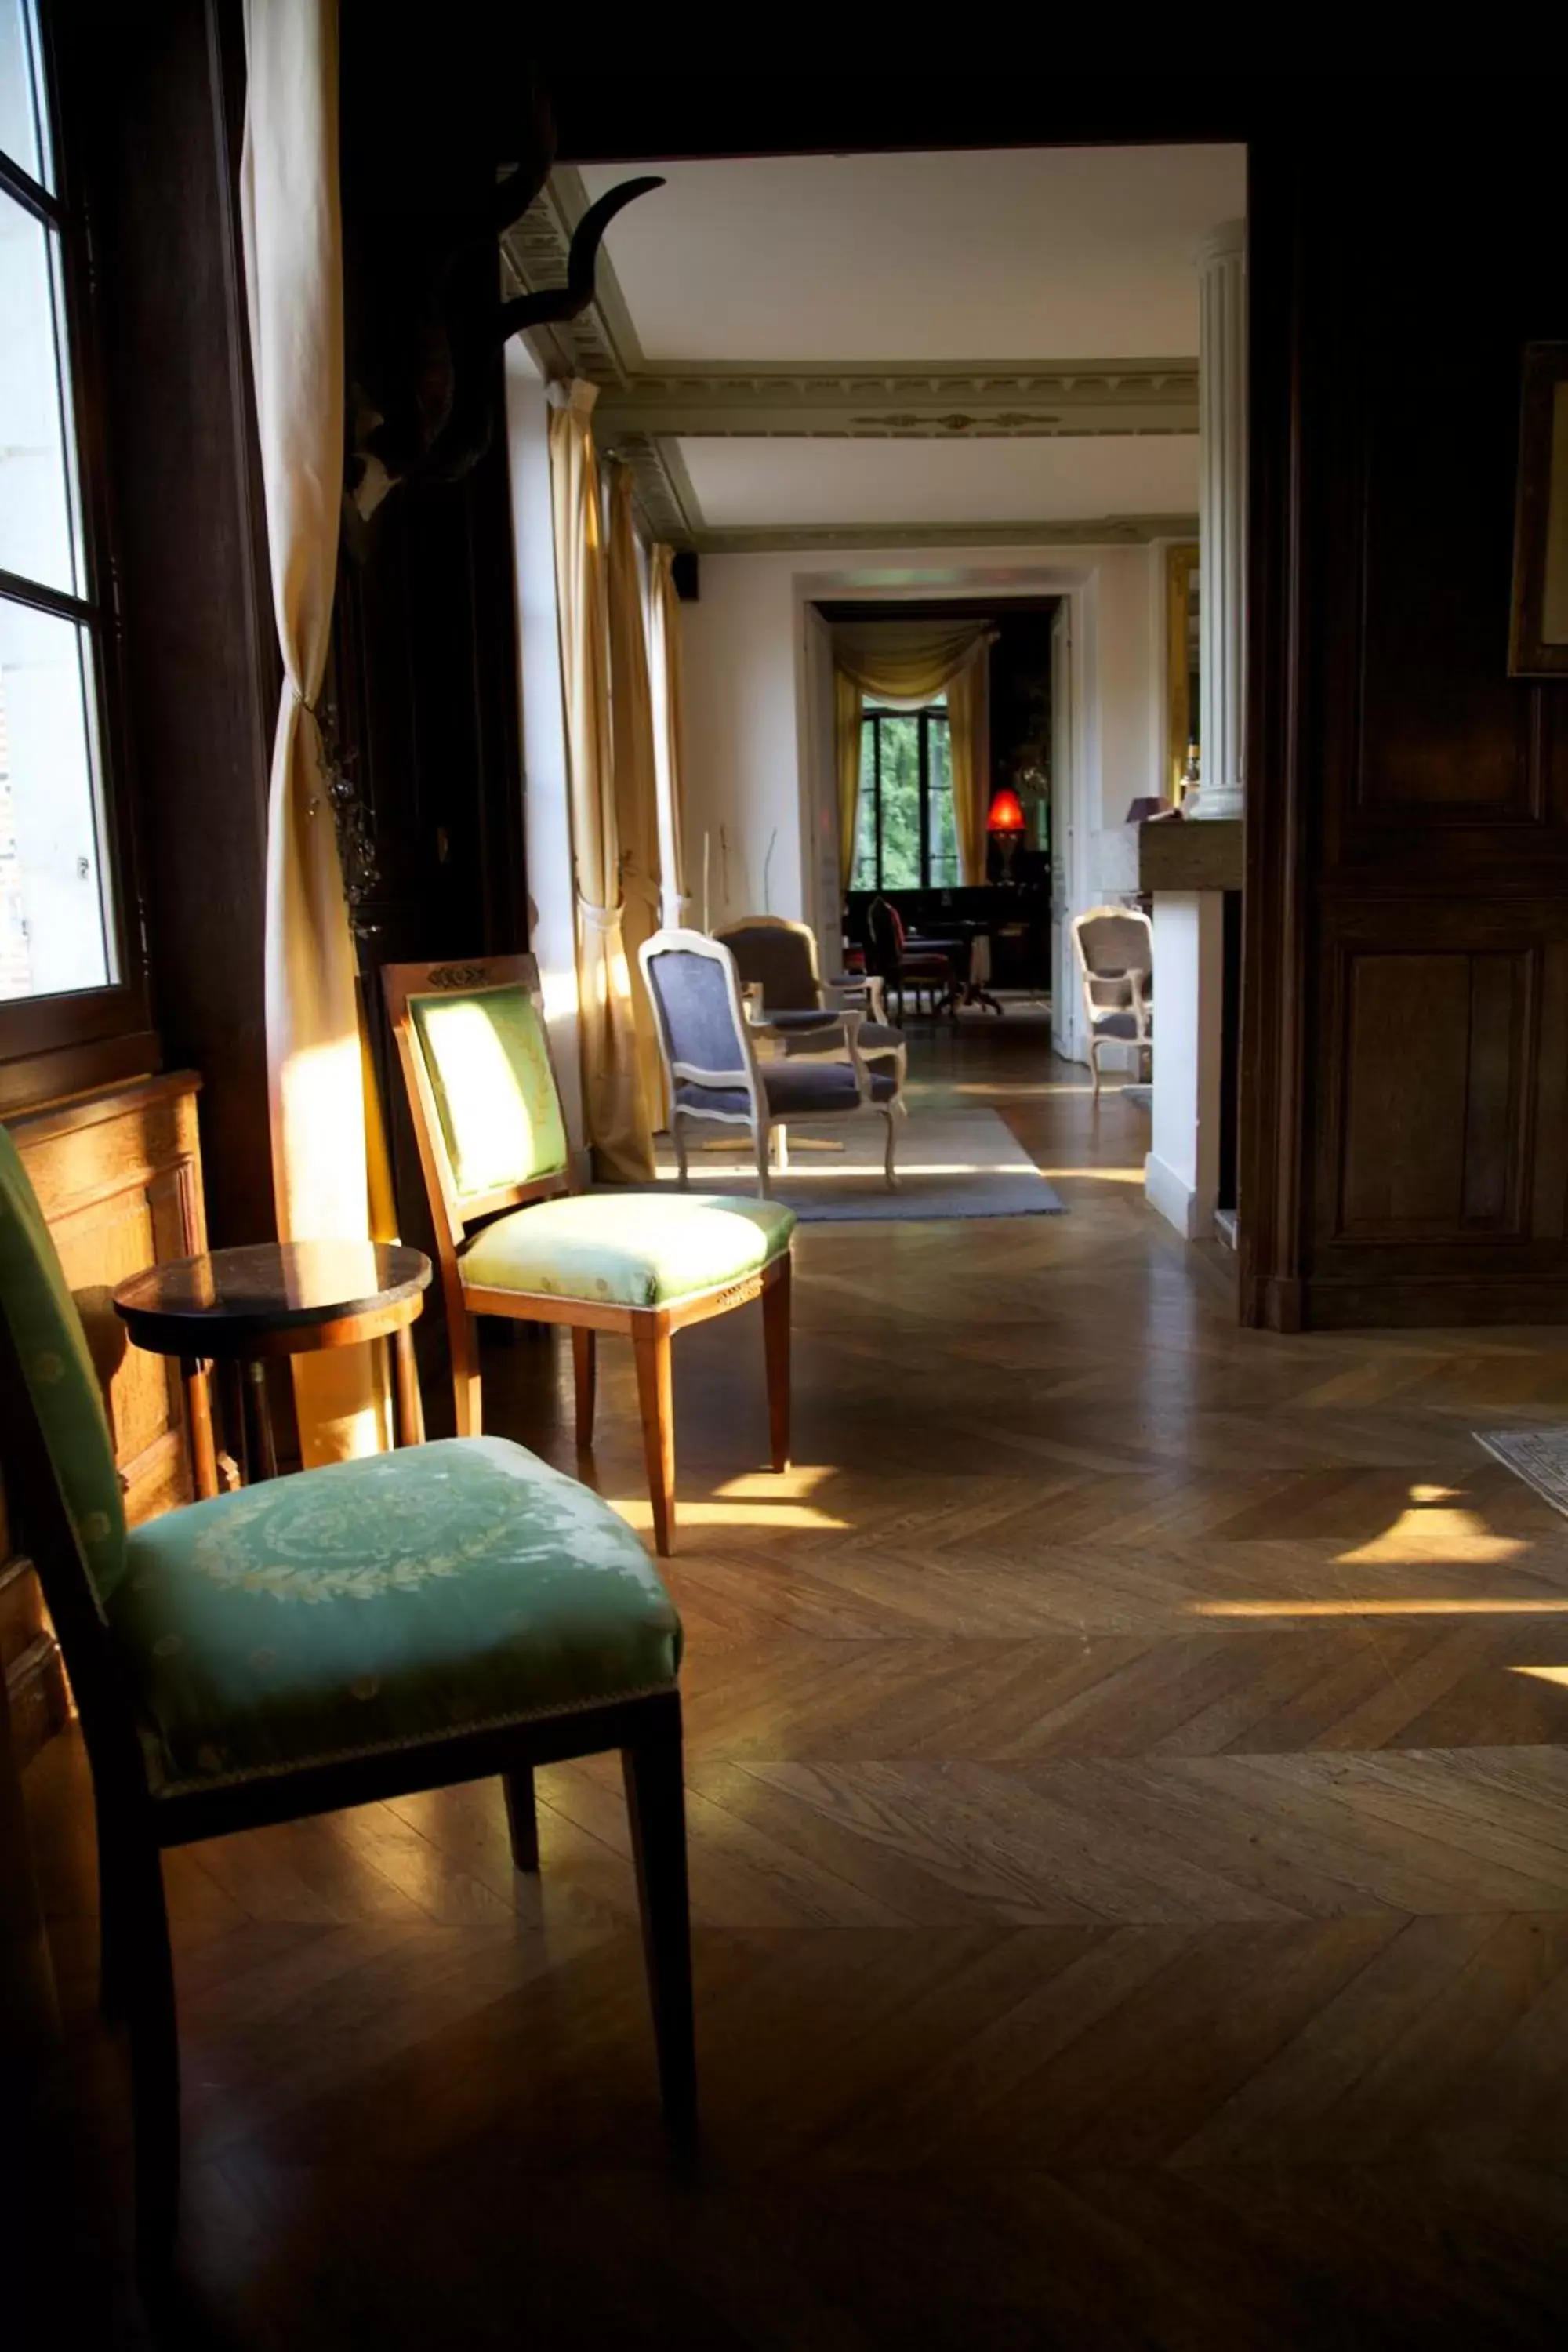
column 1065, row 253
column 886, row 348
column 745, row 485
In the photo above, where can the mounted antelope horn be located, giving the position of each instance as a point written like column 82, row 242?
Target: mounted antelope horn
column 569, row 301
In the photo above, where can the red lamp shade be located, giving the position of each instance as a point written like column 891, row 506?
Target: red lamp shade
column 1006, row 812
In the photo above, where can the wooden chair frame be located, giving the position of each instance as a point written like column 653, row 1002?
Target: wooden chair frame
column 1129, row 992
column 458, row 1217
column 137, row 1824
column 762, row 1123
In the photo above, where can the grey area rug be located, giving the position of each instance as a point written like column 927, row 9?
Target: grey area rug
column 966, row 1163
column 1143, row 1096
column 1539, row 1456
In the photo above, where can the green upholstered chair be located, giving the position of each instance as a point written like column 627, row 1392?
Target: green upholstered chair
column 419, row 1618
column 514, row 1239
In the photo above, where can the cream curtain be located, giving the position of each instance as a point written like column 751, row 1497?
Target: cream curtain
column 293, row 276
column 637, row 790
column 613, row 1101
column 969, row 737
column 847, row 746
column 913, row 662
column 664, row 640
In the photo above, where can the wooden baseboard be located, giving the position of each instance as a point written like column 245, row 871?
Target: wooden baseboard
column 1430, row 1303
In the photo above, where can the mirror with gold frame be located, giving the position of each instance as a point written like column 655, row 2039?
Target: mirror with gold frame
column 1180, row 661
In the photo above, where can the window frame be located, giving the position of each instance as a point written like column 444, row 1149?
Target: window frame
column 69, row 1043
column 927, row 715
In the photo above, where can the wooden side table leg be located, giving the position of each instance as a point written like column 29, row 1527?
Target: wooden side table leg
column 260, row 1461
column 194, row 1371
column 410, row 1404
column 232, row 1467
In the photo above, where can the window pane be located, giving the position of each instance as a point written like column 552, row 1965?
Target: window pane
column 40, row 533
column 901, row 803
column 54, row 930
column 943, row 827
column 24, row 128
column 863, row 873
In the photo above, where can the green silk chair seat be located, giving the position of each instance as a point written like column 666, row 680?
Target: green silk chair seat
column 628, row 1249
column 379, row 1604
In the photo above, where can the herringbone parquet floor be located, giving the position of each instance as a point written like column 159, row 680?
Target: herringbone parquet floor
column 1129, row 1802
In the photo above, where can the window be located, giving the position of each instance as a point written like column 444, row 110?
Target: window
column 906, row 835
column 58, row 923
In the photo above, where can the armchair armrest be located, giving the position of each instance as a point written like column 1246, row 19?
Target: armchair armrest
column 865, row 989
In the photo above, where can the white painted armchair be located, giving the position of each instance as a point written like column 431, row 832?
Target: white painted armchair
column 1115, row 949
column 710, row 1063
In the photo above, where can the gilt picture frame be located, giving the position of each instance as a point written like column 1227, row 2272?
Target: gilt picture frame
column 1538, row 639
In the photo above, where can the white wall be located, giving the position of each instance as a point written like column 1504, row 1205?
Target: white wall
column 752, row 773
column 744, row 788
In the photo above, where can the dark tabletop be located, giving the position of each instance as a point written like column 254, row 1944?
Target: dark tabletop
column 270, row 1286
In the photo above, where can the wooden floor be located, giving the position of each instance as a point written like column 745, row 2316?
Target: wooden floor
column 1129, row 1801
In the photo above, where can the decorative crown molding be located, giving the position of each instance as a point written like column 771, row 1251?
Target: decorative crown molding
column 906, row 401
column 1107, row 531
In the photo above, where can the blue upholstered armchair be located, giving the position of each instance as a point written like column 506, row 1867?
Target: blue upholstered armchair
column 711, row 1066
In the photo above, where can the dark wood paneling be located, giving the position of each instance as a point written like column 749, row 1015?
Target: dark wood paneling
column 1407, row 1143
column 1433, row 1054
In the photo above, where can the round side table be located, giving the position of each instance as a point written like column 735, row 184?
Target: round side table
column 236, row 1309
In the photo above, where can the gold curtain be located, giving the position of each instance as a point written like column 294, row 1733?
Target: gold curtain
column 913, row 662
column 636, row 800
column 613, row 1103
column 969, row 740
column 322, row 1157
column 664, row 633
column 847, row 748
column 905, row 661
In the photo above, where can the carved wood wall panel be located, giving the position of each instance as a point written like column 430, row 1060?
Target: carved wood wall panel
column 1407, row 962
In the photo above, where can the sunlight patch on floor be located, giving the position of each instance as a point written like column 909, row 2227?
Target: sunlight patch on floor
column 638, row 1511
column 1427, row 1532
column 1452, row 1605
column 794, row 1485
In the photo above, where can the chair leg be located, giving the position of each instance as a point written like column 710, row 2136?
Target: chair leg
column 650, row 1345
column 585, row 1381
column 522, row 1816
column 775, row 1345
column 1094, row 1063
column 656, row 1804
column 148, row 1980
column 678, row 1137
column 762, row 1139
column 889, row 1170
column 782, row 1134
column 466, row 1389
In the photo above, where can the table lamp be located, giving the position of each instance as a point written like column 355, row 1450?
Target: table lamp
column 1006, row 822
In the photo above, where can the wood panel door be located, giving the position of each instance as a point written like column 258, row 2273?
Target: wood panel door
column 1406, row 1050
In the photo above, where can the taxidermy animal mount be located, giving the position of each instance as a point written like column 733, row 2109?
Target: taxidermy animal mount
column 430, row 322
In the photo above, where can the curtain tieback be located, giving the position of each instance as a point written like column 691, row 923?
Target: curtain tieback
column 605, row 921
